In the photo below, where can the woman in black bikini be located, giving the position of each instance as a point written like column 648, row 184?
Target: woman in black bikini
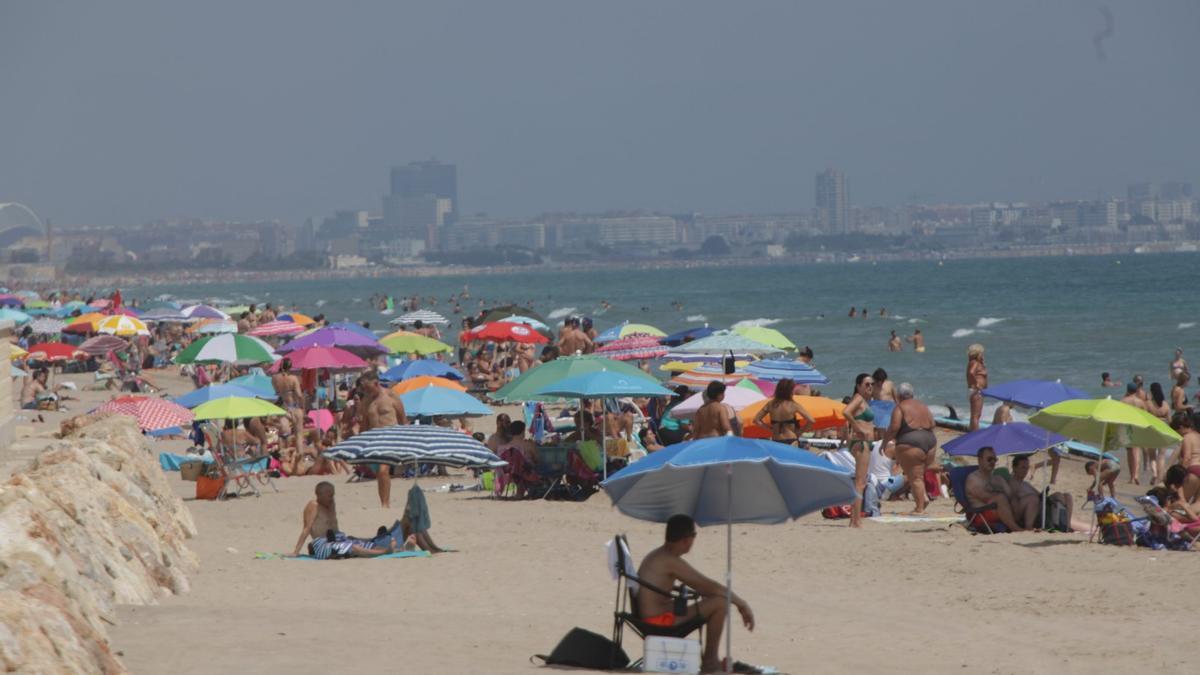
column 916, row 444
column 860, row 429
column 784, row 412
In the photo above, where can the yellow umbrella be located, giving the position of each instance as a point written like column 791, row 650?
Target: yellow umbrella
column 122, row 325
column 15, row 352
column 405, row 342
column 93, row 318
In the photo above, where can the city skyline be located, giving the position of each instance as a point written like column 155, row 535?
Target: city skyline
column 126, row 113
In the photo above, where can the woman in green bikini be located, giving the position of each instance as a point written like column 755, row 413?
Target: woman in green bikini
column 860, row 430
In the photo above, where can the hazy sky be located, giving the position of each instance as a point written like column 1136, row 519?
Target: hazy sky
column 120, row 112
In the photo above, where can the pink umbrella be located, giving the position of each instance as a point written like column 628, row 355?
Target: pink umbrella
column 332, row 358
column 636, row 346
column 277, row 328
column 322, row 419
column 737, row 397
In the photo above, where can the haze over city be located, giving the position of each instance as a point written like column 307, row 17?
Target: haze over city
column 120, row 113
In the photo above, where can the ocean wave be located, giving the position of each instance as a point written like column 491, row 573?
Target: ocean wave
column 320, row 303
column 1186, row 325
column 749, row 323
column 988, row 321
column 697, row 317
column 962, row 332
column 916, row 320
column 560, row 313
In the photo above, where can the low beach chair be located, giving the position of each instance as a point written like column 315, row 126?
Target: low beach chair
column 239, row 472
column 625, row 612
column 974, row 525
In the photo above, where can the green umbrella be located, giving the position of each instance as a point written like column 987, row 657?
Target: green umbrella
column 528, row 384
column 767, row 336
column 1107, row 423
column 405, row 343
column 227, row 348
column 236, row 407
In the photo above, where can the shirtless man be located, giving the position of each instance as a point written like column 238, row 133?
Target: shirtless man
column 663, row 568
column 1133, row 454
column 573, row 340
column 883, row 389
column 320, row 521
column 894, row 343
column 983, row 488
column 712, row 419
column 33, row 387
column 917, row 340
column 287, row 388
column 1021, row 489
column 379, row 408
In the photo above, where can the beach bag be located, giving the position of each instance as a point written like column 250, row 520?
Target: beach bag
column 208, row 487
column 836, row 512
column 584, row 649
column 1117, row 533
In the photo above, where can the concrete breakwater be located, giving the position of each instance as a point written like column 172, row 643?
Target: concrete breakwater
column 89, row 524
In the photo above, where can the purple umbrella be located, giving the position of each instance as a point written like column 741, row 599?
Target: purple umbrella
column 1014, row 438
column 349, row 340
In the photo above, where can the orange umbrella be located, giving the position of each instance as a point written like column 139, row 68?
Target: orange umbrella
column 85, row 323
column 425, row 381
column 825, row 411
column 296, row 317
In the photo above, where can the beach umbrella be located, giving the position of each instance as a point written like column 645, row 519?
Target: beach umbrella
column 525, row 386
column 727, row 480
column 164, row 314
column 1014, row 438
column 47, row 326
column 354, row 328
column 215, row 327
column 151, row 414
column 242, row 350
column 84, row 323
column 16, row 316
column 433, row 401
column 203, row 312
column 767, row 336
column 235, row 311
column 626, row 329
column 726, row 341
column 698, row 378
column 500, row 331
column 826, row 412
column 15, row 352
column 1106, row 423
column 605, row 384
column 410, row 369
column 213, row 392
column 103, row 344
column 123, row 310
column 527, row 320
column 257, row 382
column 347, row 340
column 408, row 443
column 119, row 324
column 37, row 304
column 736, row 397
column 423, row 381
column 52, row 351
column 676, row 339
column 70, row 307
column 700, row 358
column 276, row 328
column 296, row 317
column 322, row 419
column 236, row 407
column 773, row 370
column 10, row 300
column 635, row 346
column 100, row 303
column 498, row 313
column 333, row 358
column 425, row 316
column 404, row 342
column 1034, row 393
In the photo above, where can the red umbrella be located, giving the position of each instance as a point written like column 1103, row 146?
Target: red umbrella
column 151, row 414
column 53, row 351
column 636, row 346
column 333, row 358
column 503, row 331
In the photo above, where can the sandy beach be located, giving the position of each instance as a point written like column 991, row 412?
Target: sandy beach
column 902, row 597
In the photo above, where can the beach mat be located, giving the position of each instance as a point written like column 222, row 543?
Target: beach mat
column 397, row 554
column 891, row 518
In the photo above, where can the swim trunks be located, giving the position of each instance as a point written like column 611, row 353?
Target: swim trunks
column 666, row 619
column 920, row 350
column 1194, row 470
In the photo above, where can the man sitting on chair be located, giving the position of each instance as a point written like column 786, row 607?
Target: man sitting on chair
column 985, row 487
column 664, row 567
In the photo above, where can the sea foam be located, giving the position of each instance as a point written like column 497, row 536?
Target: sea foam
column 697, row 317
column 1186, row 325
column 560, row 313
column 962, row 332
column 988, row 321
column 748, row 323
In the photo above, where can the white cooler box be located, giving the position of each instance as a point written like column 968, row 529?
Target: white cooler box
column 671, row 655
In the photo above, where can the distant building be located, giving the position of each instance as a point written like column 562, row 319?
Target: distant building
column 429, row 178
column 420, row 217
column 833, row 202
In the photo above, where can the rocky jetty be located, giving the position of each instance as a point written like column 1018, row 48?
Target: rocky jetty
column 89, row 524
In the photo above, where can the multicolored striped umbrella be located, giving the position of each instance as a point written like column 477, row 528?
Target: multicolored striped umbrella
column 103, row 344
column 120, row 324
column 276, row 328
column 151, row 414
column 638, row 346
column 627, row 329
column 699, row 378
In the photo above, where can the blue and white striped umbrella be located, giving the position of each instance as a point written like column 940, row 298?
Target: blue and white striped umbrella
column 425, row 316
column 406, row 444
column 726, row 341
column 774, row 370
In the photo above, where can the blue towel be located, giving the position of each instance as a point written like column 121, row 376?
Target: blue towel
column 170, row 462
column 169, row 431
column 417, row 510
column 397, row 554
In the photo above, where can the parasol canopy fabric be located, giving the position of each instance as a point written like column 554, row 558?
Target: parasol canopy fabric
column 236, row 407
column 152, row 414
column 241, row 350
column 407, row 444
column 501, row 331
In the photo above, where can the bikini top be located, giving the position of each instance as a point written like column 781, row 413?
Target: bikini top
column 867, row 415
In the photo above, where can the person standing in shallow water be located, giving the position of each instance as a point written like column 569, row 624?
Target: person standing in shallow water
column 977, row 381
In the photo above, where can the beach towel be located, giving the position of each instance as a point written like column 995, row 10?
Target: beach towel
column 396, row 555
column 416, row 510
column 169, row 462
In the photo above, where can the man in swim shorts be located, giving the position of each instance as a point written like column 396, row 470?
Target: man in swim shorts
column 663, row 568
column 320, row 523
column 984, row 488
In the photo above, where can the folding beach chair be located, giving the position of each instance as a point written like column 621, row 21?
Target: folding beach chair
column 974, row 525
column 1169, row 532
column 239, row 472
column 629, row 585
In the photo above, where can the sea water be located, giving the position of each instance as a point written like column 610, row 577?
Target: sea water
column 1067, row 318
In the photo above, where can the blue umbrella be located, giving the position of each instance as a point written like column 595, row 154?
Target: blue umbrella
column 774, row 370
column 215, row 391
column 256, row 382
column 16, row 316
column 355, row 328
column 405, row 444
column 1015, row 438
column 729, row 479
column 432, row 401
column 417, row 367
column 605, row 384
column 1034, row 393
column 676, row 339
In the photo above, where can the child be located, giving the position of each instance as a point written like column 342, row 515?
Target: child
column 1109, row 472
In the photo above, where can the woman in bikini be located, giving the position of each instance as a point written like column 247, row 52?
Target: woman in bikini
column 784, row 413
column 1157, row 406
column 860, row 429
column 1179, row 399
column 912, row 431
column 977, row 381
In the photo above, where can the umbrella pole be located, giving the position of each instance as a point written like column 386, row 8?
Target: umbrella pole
column 604, row 438
column 1096, row 480
column 729, row 569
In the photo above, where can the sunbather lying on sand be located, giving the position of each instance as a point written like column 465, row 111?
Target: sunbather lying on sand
column 320, row 523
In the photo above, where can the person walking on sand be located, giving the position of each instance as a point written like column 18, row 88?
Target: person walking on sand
column 911, row 429
column 785, row 414
column 380, row 409
column 977, row 381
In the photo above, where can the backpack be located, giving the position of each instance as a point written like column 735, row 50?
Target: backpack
column 584, row 649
